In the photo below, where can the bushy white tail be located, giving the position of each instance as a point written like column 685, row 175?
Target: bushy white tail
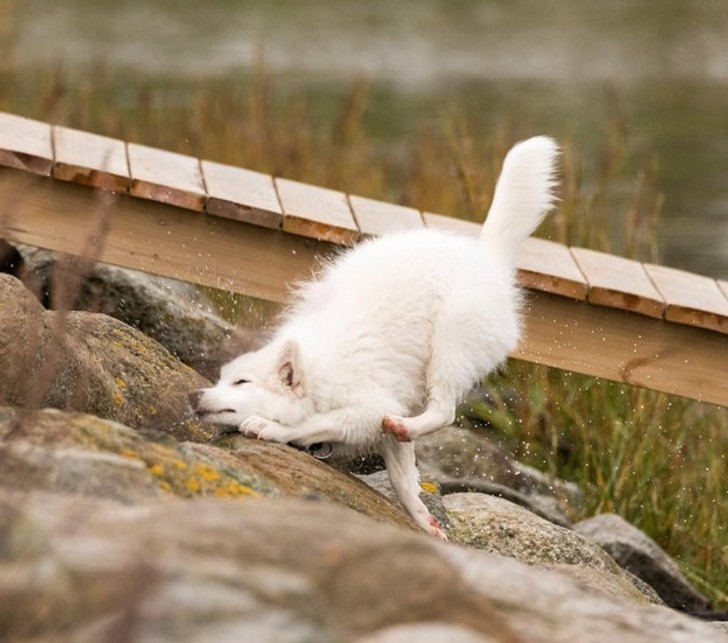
column 523, row 195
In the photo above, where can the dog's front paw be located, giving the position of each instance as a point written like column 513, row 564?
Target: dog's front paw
column 254, row 425
column 264, row 429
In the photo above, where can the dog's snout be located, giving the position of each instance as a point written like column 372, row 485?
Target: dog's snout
column 194, row 398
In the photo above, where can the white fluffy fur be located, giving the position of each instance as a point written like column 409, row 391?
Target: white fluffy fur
column 381, row 347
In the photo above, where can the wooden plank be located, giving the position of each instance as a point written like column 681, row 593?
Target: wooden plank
column 451, row 224
column 167, row 177
column 618, row 282
column 549, row 266
column 90, row 159
column 691, row 299
column 723, row 285
column 160, row 239
column 376, row 218
column 25, row 144
column 625, row 347
column 243, row 195
column 316, row 212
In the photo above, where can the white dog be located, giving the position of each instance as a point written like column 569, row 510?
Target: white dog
column 383, row 345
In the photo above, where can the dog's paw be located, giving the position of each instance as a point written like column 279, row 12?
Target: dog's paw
column 254, row 425
column 436, row 528
column 395, row 426
column 274, row 433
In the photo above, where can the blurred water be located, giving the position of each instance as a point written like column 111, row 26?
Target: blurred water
column 543, row 65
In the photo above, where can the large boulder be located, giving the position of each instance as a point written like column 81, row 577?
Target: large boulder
column 282, row 570
column 496, row 525
column 462, row 460
column 178, row 315
column 51, row 450
column 91, row 363
column 638, row 553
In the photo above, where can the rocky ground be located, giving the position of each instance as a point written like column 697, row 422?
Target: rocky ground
column 123, row 518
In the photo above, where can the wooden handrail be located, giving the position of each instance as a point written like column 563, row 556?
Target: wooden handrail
column 247, row 232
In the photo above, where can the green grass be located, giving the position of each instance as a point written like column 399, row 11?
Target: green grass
column 658, row 461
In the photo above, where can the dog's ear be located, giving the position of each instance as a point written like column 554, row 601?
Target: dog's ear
column 290, row 369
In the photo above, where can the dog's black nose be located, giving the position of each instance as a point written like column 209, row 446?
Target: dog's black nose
column 194, row 398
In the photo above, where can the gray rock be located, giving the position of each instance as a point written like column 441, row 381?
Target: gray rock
column 91, row 363
column 547, row 507
column 464, row 459
column 275, row 570
column 643, row 557
column 56, row 451
column 496, row 525
column 178, row 315
column 427, row 632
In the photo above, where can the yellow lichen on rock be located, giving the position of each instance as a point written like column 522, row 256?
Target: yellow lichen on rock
column 208, row 472
column 429, row 487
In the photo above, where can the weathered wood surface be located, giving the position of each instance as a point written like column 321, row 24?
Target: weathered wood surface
column 691, row 299
column 160, row 239
column 167, row 177
column 625, row 347
column 25, row 144
column 317, row 212
column 90, row 159
column 618, row 282
column 376, row 218
column 247, row 232
column 563, row 276
column 451, row 224
column 244, row 195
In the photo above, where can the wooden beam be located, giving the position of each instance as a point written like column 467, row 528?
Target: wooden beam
column 563, row 276
column 167, row 177
column 691, row 299
column 625, row 347
column 458, row 226
column 157, row 238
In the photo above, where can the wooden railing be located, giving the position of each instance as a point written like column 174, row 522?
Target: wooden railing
column 247, row 232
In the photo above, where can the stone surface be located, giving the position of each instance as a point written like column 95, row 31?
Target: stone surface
column 468, row 460
column 643, row 557
column 51, row 450
column 94, row 364
column 282, row 570
column 498, row 526
column 176, row 314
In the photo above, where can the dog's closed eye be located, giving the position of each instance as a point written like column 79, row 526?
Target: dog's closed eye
column 239, row 382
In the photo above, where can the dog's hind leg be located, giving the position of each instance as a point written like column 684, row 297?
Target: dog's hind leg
column 402, row 470
column 450, row 374
column 436, row 415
